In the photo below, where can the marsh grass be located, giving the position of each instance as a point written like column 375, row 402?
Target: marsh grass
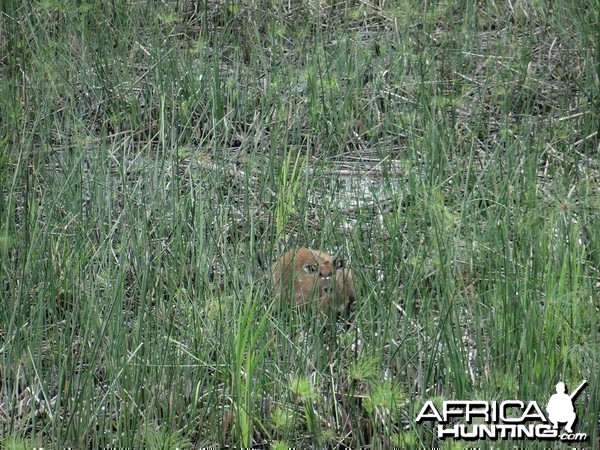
column 153, row 152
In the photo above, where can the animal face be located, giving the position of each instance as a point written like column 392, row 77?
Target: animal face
column 305, row 275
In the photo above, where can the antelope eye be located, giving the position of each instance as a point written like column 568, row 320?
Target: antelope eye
column 310, row 268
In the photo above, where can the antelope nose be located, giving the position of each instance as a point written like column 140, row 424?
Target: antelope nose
column 327, row 288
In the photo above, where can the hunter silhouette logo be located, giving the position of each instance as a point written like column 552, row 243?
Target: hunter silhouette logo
column 509, row 419
column 560, row 407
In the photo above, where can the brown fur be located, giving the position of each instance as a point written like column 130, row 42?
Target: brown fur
column 307, row 275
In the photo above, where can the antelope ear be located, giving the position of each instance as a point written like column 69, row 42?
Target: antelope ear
column 262, row 268
column 334, row 257
column 339, row 263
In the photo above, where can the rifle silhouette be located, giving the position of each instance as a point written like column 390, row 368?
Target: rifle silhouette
column 576, row 391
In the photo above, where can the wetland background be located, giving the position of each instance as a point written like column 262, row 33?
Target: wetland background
column 152, row 152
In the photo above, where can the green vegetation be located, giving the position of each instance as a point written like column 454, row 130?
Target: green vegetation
column 152, row 152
